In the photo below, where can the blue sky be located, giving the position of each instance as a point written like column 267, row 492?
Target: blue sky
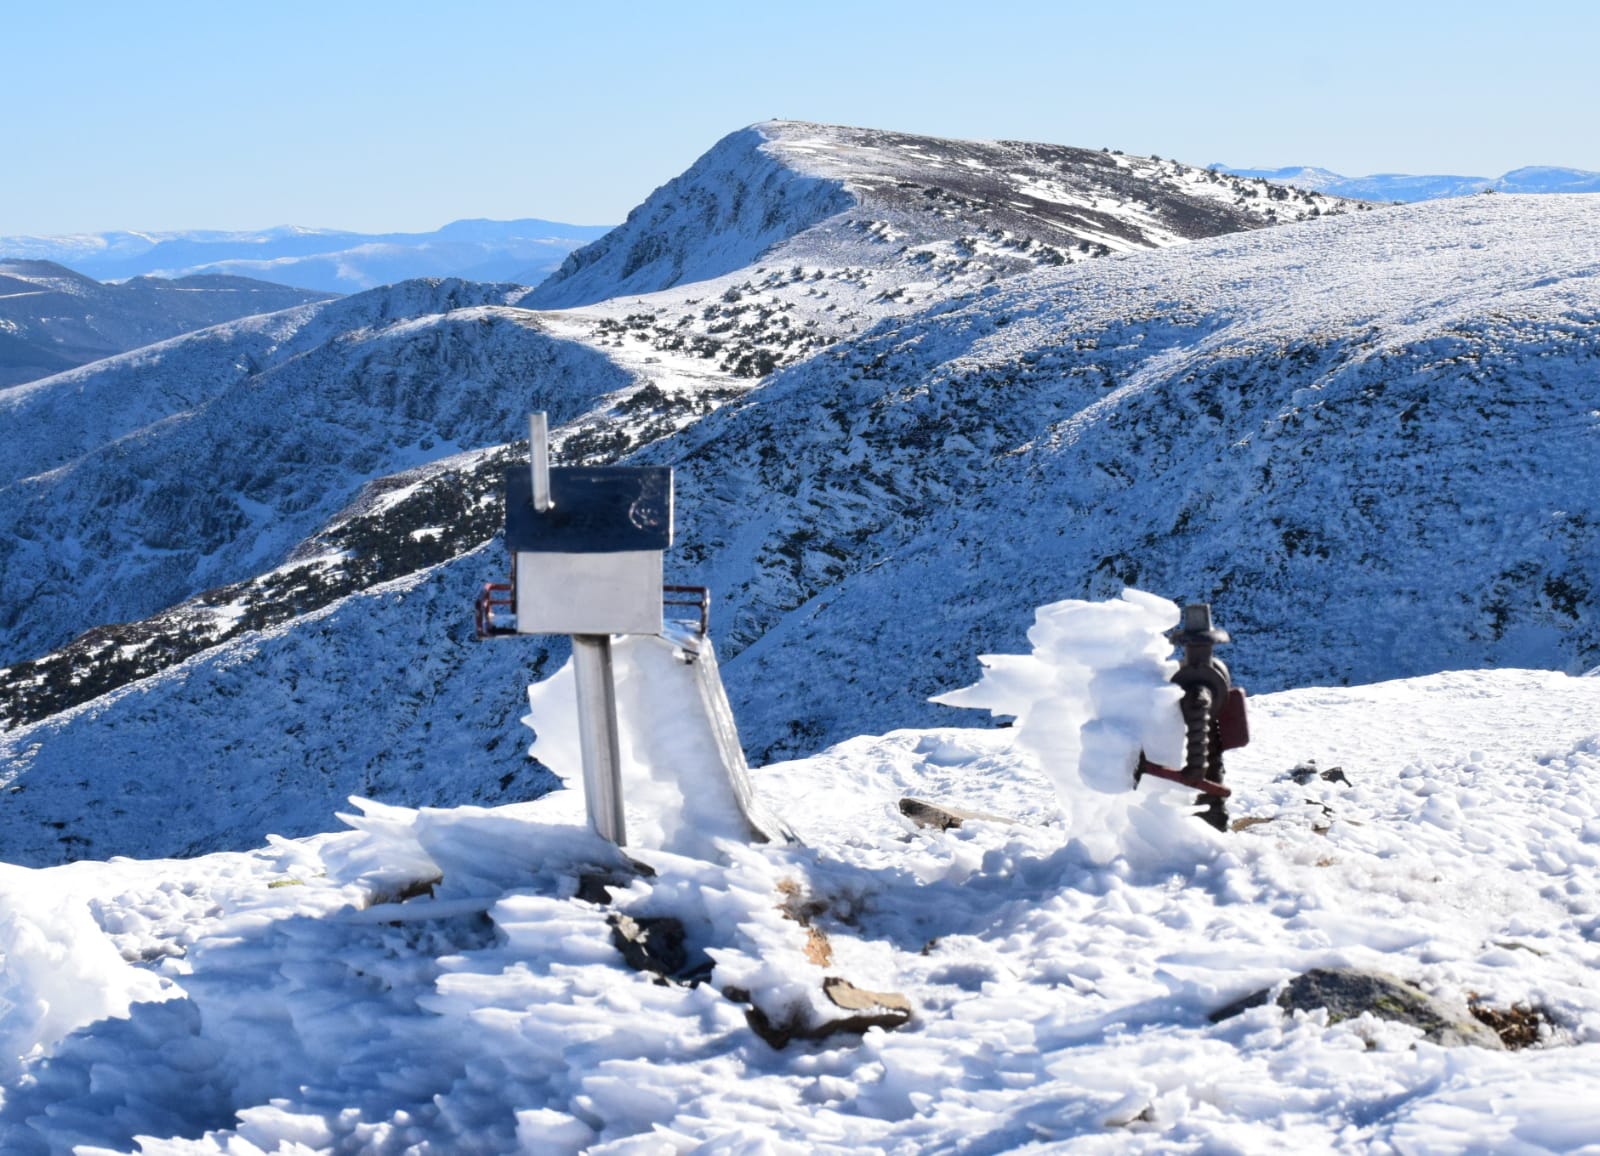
column 403, row 115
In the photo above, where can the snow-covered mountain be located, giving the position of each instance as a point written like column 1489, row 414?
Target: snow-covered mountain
column 930, row 465
column 851, row 256
column 331, row 260
column 133, row 483
column 1368, row 439
column 1406, row 187
column 786, row 192
column 52, row 319
column 873, row 516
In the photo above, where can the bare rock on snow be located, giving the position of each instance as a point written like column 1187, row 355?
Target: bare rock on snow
column 940, row 817
column 1348, row 992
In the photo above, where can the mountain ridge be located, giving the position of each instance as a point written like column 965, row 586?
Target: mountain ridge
column 863, row 501
column 53, row 318
column 1405, row 187
column 795, row 191
column 867, row 433
column 329, row 260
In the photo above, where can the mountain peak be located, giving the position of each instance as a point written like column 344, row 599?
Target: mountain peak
column 783, row 190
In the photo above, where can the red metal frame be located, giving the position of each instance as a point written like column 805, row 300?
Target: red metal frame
column 1157, row 771
column 697, row 596
column 502, row 596
column 494, row 596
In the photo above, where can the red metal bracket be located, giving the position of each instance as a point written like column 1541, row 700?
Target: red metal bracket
column 696, row 596
column 494, row 596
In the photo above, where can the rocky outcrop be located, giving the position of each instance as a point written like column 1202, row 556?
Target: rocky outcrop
column 1346, row 993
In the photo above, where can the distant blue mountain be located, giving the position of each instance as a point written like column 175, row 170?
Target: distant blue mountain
column 1404, row 187
column 330, row 260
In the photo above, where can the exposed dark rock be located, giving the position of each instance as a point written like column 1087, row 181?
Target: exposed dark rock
column 657, row 944
column 865, row 1009
column 940, row 817
column 869, row 1009
column 1347, row 992
column 403, row 892
column 1308, row 770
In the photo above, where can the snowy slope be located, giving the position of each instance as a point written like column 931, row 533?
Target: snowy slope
column 332, row 260
column 429, row 981
column 931, row 220
column 872, row 517
column 271, row 731
column 52, row 318
column 782, row 192
column 1406, row 187
column 206, row 459
column 1369, row 441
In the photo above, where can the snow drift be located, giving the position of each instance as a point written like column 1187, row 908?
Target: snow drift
column 430, row 981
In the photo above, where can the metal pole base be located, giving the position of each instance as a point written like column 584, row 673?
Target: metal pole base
column 598, row 735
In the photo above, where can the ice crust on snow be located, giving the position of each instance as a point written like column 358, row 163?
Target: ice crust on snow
column 1060, row 999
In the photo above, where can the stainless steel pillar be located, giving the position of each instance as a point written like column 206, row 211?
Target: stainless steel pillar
column 598, row 736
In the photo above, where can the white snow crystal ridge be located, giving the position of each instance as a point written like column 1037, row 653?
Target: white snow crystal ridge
column 429, row 982
column 1094, row 693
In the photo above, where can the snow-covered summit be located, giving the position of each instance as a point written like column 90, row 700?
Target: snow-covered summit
column 790, row 191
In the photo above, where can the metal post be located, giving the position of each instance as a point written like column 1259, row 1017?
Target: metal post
column 597, row 735
column 539, row 460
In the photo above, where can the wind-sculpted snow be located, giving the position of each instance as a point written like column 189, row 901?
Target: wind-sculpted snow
column 788, row 191
column 432, row 981
column 207, row 459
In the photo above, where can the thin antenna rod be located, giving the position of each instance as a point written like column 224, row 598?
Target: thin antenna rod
column 539, row 460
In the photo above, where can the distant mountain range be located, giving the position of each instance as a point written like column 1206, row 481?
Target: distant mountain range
column 52, row 319
column 331, row 260
column 1405, row 187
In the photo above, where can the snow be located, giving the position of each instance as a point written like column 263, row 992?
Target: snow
column 428, row 980
column 1176, row 419
column 1092, row 695
column 327, row 259
column 677, row 786
column 294, row 999
column 285, row 416
column 1405, row 187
